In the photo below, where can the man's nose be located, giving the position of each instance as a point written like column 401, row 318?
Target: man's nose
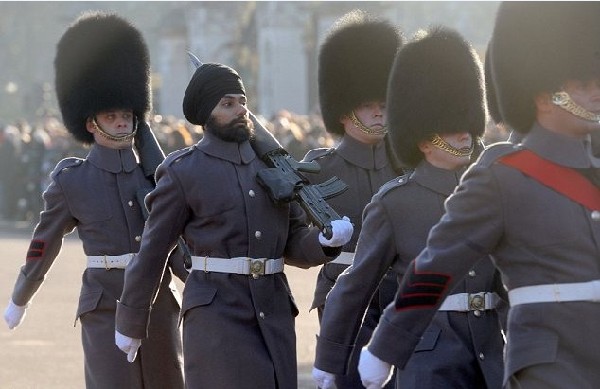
column 122, row 120
column 243, row 110
column 465, row 136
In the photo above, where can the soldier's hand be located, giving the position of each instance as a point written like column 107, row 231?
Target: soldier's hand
column 374, row 373
column 341, row 233
column 323, row 379
column 128, row 345
column 14, row 314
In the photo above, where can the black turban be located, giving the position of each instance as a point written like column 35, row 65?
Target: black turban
column 208, row 85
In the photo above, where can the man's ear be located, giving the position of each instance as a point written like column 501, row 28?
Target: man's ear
column 543, row 102
column 89, row 125
column 424, row 146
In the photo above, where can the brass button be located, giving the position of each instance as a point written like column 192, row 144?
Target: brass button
column 472, row 273
column 481, row 356
column 595, row 215
column 251, row 193
column 258, row 234
column 130, row 203
column 138, row 238
column 262, row 315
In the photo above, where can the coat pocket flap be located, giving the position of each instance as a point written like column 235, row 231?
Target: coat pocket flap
column 88, row 302
column 197, row 297
column 529, row 350
column 428, row 340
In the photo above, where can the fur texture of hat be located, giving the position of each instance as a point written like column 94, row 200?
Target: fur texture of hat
column 101, row 63
column 436, row 87
column 490, row 91
column 536, row 47
column 354, row 63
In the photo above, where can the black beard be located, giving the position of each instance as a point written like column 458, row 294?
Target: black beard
column 238, row 130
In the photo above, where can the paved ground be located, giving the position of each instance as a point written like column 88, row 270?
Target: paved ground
column 45, row 351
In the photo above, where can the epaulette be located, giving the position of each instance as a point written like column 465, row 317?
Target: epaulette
column 392, row 184
column 317, row 153
column 496, row 151
column 177, row 155
column 65, row 164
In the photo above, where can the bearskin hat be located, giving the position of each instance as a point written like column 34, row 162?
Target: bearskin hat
column 490, row 91
column 354, row 63
column 536, row 47
column 102, row 62
column 436, row 87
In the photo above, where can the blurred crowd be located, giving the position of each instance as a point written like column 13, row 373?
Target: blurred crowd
column 30, row 151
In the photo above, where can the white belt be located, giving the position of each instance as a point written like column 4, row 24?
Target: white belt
column 465, row 302
column 556, row 293
column 345, row 258
column 109, row 261
column 238, row 265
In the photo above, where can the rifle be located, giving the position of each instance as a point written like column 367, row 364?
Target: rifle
column 284, row 181
column 148, row 149
column 151, row 155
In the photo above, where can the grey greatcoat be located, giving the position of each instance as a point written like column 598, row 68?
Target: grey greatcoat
column 238, row 331
column 536, row 236
column 459, row 349
column 364, row 168
column 97, row 195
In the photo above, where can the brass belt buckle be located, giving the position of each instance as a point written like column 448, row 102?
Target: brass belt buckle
column 257, row 267
column 477, row 302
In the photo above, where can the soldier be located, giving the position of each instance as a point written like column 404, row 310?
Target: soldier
column 354, row 63
column 238, row 311
column 103, row 88
column 535, row 207
column 434, row 121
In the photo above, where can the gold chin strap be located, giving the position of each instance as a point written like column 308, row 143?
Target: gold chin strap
column 441, row 144
column 122, row 138
column 366, row 129
column 563, row 100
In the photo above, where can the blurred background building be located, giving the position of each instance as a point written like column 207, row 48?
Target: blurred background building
column 273, row 44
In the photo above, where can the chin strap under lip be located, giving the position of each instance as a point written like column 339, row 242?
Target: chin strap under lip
column 122, row 138
column 564, row 101
column 441, row 144
column 366, row 129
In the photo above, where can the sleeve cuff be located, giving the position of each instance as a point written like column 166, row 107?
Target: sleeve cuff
column 132, row 322
column 332, row 357
column 392, row 344
column 25, row 289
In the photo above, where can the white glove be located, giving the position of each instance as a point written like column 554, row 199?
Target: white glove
column 14, row 314
column 374, row 373
column 341, row 233
column 128, row 345
column 323, row 379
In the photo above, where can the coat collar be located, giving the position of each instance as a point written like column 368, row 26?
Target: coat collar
column 561, row 149
column 442, row 181
column 363, row 155
column 112, row 160
column 238, row 153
